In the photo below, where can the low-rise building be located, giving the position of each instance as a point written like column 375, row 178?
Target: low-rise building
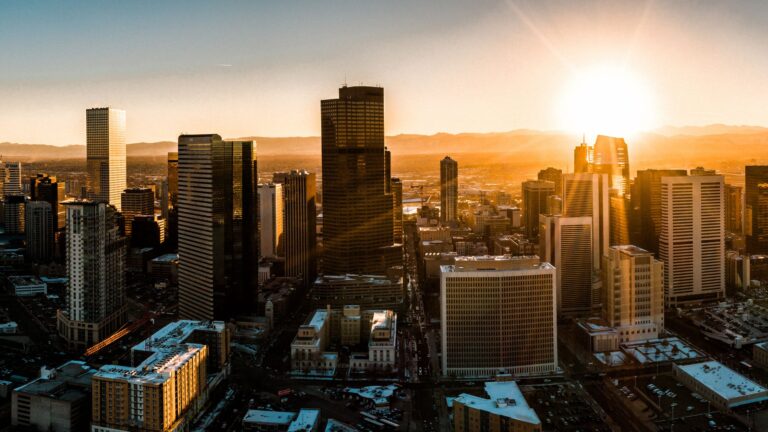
column 60, row 400
column 306, row 420
column 308, row 347
column 505, row 410
column 598, row 338
column 760, row 354
column 368, row 291
column 26, row 286
column 168, row 384
column 723, row 387
column 165, row 267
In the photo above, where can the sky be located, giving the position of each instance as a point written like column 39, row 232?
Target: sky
column 260, row 68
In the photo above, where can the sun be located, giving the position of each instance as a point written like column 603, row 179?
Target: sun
column 607, row 100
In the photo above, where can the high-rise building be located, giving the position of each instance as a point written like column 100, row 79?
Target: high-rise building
column 498, row 315
column 218, row 227
column 173, row 178
column 106, row 155
column 40, row 231
column 147, row 231
column 620, row 219
column 633, row 293
column 756, row 208
column 96, row 252
column 566, row 243
column 581, row 158
column 358, row 236
column 536, row 195
column 646, row 204
column 555, row 176
column 397, row 209
column 611, row 157
column 12, row 180
column 13, row 213
column 43, row 187
column 300, row 239
column 271, row 216
column 586, row 194
column 449, row 190
column 692, row 240
column 733, row 208
column 135, row 202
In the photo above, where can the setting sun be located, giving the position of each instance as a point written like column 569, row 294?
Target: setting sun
column 607, row 100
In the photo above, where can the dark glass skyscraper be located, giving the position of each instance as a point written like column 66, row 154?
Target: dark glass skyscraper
column 756, row 208
column 449, row 190
column 646, row 207
column 358, row 233
column 300, row 211
column 218, row 227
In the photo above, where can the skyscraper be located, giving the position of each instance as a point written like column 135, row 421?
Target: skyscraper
column 12, row 181
column 498, row 315
column 358, row 234
column 555, row 176
column 40, row 231
column 106, row 154
column 566, row 243
column 733, row 208
column 397, row 196
column 43, row 187
column 300, row 192
column 271, row 217
column 633, row 293
column 13, row 213
column 581, row 158
column 586, row 194
column 692, row 241
column 646, row 205
column 95, row 270
column 135, row 202
column 449, row 190
column 172, row 213
column 611, row 157
column 756, row 208
column 535, row 202
column 218, row 227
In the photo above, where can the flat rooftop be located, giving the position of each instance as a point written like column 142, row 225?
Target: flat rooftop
column 725, row 382
column 631, row 250
column 505, row 399
column 26, row 280
column 167, row 258
column 176, row 333
column 69, row 381
column 496, row 262
column 265, row 417
column 156, row 369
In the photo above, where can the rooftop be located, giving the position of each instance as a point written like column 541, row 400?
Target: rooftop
column 725, row 382
column 497, row 263
column 177, row 332
column 167, row 258
column 25, row 280
column 505, row 399
column 631, row 250
column 157, row 368
column 69, row 381
column 265, row 417
column 305, row 420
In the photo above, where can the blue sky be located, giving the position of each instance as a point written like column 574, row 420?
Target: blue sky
column 260, row 68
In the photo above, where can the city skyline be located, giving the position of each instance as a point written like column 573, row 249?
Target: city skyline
column 262, row 85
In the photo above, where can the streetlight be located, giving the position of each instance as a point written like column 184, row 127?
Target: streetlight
column 672, row 423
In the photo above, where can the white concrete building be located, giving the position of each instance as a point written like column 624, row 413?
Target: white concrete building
column 633, row 293
column 498, row 315
column 692, row 240
column 271, row 217
column 723, row 387
column 308, row 347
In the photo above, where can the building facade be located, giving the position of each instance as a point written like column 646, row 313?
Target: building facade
column 217, row 227
column 566, row 243
column 300, row 226
column 271, row 215
column 105, row 148
column 40, row 231
column 358, row 234
column 586, row 195
column 536, row 194
column 449, row 191
column 136, row 202
column 96, row 253
column 633, row 291
column 498, row 316
column 692, row 240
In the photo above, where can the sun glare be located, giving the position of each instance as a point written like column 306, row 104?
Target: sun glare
column 607, row 100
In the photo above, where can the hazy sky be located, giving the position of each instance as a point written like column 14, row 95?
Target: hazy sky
column 261, row 67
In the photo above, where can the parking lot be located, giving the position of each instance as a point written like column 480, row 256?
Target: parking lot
column 674, row 404
column 564, row 407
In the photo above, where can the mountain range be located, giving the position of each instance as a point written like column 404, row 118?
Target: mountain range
column 693, row 144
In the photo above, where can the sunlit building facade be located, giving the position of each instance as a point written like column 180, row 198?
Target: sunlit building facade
column 449, row 191
column 106, row 155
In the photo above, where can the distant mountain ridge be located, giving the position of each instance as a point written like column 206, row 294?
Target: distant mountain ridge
column 667, row 144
